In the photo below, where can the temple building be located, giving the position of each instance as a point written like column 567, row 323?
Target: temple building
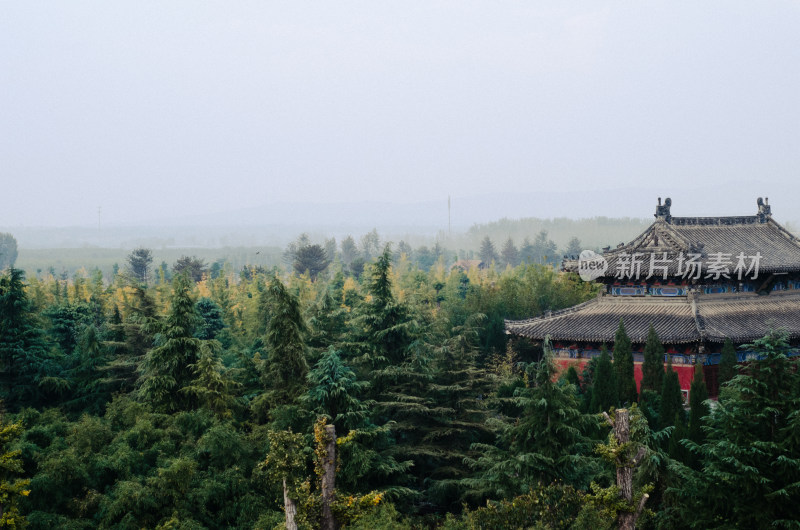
column 697, row 280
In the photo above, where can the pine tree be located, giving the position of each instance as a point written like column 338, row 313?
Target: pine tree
column 653, row 365
column 166, row 368
column 604, row 387
column 623, row 366
column 727, row 362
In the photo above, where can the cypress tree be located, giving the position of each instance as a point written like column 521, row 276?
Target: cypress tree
column 727, row 362
column 698, row 409
column 671, row 398
column 623, row 366
column 604, row 388
column 653, row 365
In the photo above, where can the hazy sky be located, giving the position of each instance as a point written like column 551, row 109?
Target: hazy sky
column 162, row 109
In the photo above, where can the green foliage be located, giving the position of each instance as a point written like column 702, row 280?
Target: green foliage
column 604, row 389
column 727, row 363
column 12, row 488
column 333, row 391
column 750, row 469
column 139, row 261
column 671, row 397
column 608, row 501
column 653, row 365
column 287, row 365
column 312, row 259
column 547, row 443
column 552, row 506
column 168, row 368
column 434, row 408
column 623, row 366
column 8, row 251
column 698, row 409
column 26, row 370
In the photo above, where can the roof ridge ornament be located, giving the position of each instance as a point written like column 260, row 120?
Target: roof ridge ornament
column 662, row 212
column 764, row 210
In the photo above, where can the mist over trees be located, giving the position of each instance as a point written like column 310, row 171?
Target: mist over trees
column 8, row 250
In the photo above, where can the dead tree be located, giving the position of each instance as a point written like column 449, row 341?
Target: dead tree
column 625, row 466
column 328, row 487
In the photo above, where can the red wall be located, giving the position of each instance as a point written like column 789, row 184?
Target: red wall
column 685, row 372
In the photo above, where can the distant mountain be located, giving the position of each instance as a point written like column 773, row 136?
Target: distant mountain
column 277, row 224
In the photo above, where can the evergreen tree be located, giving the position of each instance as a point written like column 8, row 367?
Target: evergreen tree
column 510, row 255
column 604, row 387
column 623, row 366
column 24, row 364
column 211, row 321
column 527, row 252
column 8, row 251
column 574, row 248
column 167, row 368
column 727, row 363
column 546, row 443
column 750, row 473
column 334, row 390
column 487, row 252
column 211, row 387
column 459, row 391
column 287, row 366
column 311, row 259
column 671, row 397
column 653, row 365
column 128, row 341
column 698, row 408
column 89, row 392
column 383, row 328
column 192, row 266
column 139, row 261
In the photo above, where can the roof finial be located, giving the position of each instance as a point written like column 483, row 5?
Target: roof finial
column 662, row 212
column 764, row 210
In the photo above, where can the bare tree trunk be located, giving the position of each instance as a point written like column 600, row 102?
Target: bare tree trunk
column 622, row 432
column 329, row 478
column 290, row 508
column 625, row 467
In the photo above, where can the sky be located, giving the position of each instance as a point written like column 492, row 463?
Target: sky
column 161, row 110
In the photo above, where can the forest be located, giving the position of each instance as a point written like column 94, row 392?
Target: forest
column 366, row 385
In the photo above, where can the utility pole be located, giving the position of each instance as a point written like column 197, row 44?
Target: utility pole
column 449, row 231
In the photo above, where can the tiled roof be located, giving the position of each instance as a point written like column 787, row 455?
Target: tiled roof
column 779, row 250
column 695, row 318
